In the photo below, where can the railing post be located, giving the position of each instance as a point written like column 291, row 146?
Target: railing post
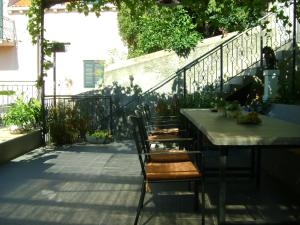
column 184, row 84
column 111, row 115
column 294, row 48
column 41, row 75
column 261, row 47
column 221, row 70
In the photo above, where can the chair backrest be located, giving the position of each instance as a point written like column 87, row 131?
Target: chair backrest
column 142, row 129
column 147, row 112
column 139, row 141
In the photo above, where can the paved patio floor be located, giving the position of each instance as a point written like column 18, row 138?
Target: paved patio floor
column 100, row 185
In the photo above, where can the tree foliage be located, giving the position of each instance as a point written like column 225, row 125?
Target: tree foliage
column 158, row 28
column 179, row 28
column 147, row 27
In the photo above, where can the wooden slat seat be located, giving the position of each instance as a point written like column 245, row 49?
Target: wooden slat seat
column 165, row 166
column 171, row 131
column 172, row 155
column 171, row 171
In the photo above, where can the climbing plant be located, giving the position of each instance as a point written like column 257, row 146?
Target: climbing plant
column 166, row 28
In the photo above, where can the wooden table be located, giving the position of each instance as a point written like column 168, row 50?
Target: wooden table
column 225, row 133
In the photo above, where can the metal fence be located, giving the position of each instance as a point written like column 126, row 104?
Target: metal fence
column 11, row 90
column 235, row 56
column 242, row 54
column 95, row 109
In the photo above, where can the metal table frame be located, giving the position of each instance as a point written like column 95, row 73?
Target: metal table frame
column 224, row 134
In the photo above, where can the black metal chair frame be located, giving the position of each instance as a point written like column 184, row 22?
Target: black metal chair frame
column 143, row 155
column 164, row 121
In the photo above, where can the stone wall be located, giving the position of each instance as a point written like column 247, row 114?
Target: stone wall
column 149, row 70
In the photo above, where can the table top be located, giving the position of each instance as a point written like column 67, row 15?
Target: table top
column 224, row 131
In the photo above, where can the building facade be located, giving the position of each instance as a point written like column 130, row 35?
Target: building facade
column 93, row 43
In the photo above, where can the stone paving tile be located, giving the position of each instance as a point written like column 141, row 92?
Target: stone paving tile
column 100, row 185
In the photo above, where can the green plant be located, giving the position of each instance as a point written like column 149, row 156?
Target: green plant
column 64, row 124
column 7, row 92
column 99, row 133
column 232, row 106
column 24, row 114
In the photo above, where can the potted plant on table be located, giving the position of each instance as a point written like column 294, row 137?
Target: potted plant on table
column 232, row 109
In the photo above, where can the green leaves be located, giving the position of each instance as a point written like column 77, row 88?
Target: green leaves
column 22, row 113
column 34, row 23
column 158, row 28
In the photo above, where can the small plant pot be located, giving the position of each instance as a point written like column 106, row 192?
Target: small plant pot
column 95, row 140
column 232, row 114
column 15, row 129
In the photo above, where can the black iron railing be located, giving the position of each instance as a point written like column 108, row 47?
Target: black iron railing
column 237, row 55
column 241, row 54
column 95, row 109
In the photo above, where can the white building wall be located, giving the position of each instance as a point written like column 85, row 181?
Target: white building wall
column 18, row 63
column 90, row 38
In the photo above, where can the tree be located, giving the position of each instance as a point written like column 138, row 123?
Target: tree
column 146, row 27
column 179, row 28
column 158, row 28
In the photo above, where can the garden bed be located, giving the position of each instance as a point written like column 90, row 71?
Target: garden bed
column 12, row 146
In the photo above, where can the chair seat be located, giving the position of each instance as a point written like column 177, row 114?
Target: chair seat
column 168, row 138
column 172, row 155
column 153, row 137
column 156, row 171
column 170, row 131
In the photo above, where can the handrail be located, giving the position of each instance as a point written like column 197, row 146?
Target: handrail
column 216, row 58
column 224, row 42
column 235, row 55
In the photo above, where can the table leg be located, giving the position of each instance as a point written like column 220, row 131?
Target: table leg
column 222, row 186
column 258, row 167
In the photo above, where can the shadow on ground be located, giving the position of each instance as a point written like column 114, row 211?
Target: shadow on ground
column 100, row 185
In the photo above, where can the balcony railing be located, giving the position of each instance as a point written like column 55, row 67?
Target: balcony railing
column 11, row 90
column 7, row 32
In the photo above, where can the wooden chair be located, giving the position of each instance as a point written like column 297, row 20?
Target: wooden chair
column 166, row 135
column 159, row 124
column 156, row 170
column 183, row 143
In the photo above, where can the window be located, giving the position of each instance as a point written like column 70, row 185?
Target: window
column 93, row 72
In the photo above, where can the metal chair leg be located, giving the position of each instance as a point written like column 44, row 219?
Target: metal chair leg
column 141, row 203
column 196, row 191
column 202, row 202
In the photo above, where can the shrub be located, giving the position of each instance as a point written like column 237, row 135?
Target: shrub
column 65, row 124
column 26, row 115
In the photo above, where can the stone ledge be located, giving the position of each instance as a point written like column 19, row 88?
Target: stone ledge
column 20, row 145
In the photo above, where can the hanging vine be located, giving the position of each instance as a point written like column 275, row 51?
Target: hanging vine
column 97, row 6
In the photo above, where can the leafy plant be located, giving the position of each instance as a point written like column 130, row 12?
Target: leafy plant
column 23, row 114
column 7, row 92
column 64, row 124
column 100, row 134
column 232, row 106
